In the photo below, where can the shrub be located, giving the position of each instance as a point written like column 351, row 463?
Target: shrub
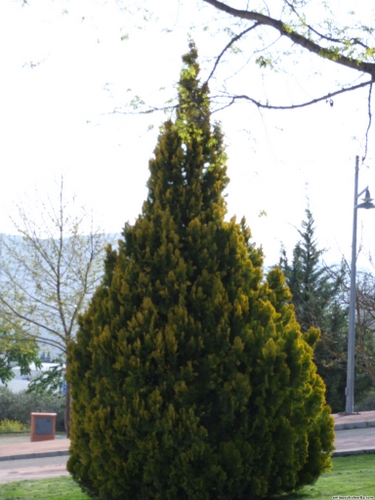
column 367, row 403
column 12, row 426
column 18, row 406
column 190, row 377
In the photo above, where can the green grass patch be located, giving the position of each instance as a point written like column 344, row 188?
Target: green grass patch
column 61, row 488
column 354, row 475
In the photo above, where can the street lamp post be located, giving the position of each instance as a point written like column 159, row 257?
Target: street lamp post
column 367, row 203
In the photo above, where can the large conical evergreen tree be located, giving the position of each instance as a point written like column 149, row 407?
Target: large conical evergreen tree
column 190, row 376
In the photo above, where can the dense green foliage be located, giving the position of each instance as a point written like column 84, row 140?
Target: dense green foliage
column 190, row 376
column 18, row 406
column 15, row 349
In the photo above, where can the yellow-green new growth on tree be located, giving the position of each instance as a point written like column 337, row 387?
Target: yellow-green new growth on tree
column 190, row 376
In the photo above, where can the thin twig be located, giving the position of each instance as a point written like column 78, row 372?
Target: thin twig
column 326, row 97
column 231, row 42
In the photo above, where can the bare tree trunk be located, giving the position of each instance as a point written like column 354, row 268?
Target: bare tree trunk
column 67, row 404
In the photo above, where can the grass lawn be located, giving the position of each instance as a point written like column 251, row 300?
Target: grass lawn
column 349, row 476
column 61, row 488
column 353, row 475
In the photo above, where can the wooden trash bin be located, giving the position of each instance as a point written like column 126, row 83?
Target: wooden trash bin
column 43, row 426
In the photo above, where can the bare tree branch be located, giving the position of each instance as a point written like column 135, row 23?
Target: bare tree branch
column 297, row 38
column 229, row 44
column 327, row 97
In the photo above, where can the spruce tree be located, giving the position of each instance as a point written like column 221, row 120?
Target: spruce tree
column 190, row 376
column 317, row 295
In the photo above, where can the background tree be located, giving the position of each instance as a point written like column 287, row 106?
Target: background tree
column 190, row 376
column 48, row 272
column 319, row 295
column 365, row 328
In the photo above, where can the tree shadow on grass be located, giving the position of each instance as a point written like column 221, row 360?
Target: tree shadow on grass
column 297, row 495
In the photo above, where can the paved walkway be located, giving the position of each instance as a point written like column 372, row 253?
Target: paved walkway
column 355, row 421
column 20, row 447
column 355, row 434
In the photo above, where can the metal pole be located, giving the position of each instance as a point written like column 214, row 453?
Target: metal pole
column 351, row 334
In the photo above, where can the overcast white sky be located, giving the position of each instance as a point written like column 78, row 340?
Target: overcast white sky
column 66, row 65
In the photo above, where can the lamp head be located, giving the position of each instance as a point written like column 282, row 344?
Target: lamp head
column 367, row 201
